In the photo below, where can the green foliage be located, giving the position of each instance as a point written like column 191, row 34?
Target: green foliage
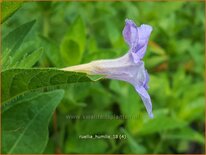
column 73, row 44
column 77, row 146
column 21, row 81
column 52, row 51
column 186, row 134
column 134, row 146
column 160, row 125
column 13, row 55
column 70, row 33
column 29, row 60
column 8, row 9
column 21, row 60
column 25, row 124
column 14, row 39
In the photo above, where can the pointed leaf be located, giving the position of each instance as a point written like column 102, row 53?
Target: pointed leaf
column 134, row 146
column 31, row 59
column 8, row 9
column 73, row 44
column 20, row 81
column 25, row 125
column 161, row 124
column 14, row 39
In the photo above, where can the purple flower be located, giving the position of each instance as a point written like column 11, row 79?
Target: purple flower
column 130, row 67
column 137, row 38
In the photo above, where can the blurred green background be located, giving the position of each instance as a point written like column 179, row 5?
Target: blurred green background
column 71, row 33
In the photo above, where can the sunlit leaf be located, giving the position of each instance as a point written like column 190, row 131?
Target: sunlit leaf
column 8, row 9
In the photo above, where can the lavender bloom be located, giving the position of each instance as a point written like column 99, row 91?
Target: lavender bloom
column 130, row 67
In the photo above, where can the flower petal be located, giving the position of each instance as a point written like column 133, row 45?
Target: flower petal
column 137, row 38
column 146, row 100
column 122, row 68
column 130, row 33
column 146, row 80
column 139, row 49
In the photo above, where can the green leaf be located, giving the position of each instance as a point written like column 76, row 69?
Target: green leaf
column 193, row 110
column 6, row 60
column 26, row 49
column 186, row 134
column 112, row 31
column 77, row 145
column 20, row 59
column 101, row 54
column 14, row 39
column 25, row 125
column 51, row 51
column 160, row 124
column 8, row 9
column 156, row 60
column 73, row 44
column 155, row 48
column 99, row 124
column 21, row 81
column 31, row 59
column 134, row 146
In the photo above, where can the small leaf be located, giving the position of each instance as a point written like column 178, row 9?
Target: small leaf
column 186, row 134
column 193, row 110
column 156, row 60
column 25, row 125
column 8, row 9
column 160, row 124
column 52, row 51
column 134, row 146
column 20, row 59
column 14, row 39
column 89, row 146
column 157, row 49
column 70, row 51
column 31, row 59
column 73, row 44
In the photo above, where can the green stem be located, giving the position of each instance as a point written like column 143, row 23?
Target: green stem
column 162, row 138
column 46, row 24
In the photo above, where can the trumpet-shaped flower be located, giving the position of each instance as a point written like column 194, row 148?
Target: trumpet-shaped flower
column 129, row 67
